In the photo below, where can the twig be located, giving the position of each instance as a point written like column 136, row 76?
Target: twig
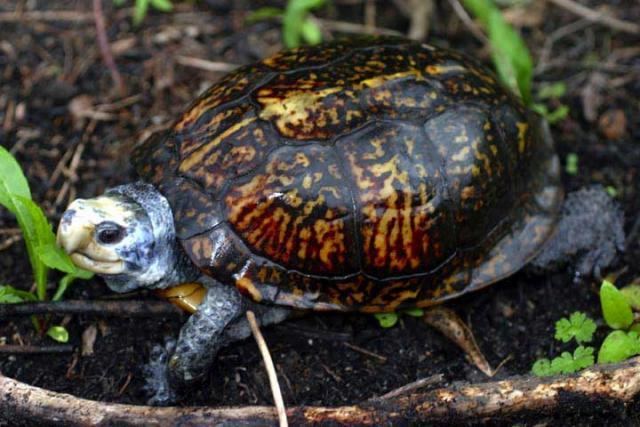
column 145, row 308
column 46, row 15
column 421, row 12
column 467, row 21
column 590, row 392
column 203, row 64
column 599, row 17
column 353, row 28
column 8, row 242
column 34, row 349
column 365, row 351
column 105, row 49
column 407, row 388
column 271, row 370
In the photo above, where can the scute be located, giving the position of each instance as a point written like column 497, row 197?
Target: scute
column 369, row 175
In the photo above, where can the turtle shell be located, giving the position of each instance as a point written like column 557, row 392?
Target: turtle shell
column 370, row 174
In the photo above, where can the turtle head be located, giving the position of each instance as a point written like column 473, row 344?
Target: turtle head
column 126, row 235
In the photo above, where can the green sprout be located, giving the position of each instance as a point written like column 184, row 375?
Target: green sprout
column 620, row 344
column 566, row 363
column 571, row 166
column 141, row 7
column 389, row 320
column 551, row 91
column 577, row 326
column 298, row 25
column 15, row 196
column 509, row 52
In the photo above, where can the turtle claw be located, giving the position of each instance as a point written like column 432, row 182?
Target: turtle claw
column 451, row 326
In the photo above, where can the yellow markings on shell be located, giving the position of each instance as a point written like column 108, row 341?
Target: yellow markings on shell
column 378, row 81
column 522, row 136
column 198, row 156
column 246, row 286
column 295, row 109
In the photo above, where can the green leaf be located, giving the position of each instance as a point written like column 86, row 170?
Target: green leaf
column 619, row 346
column 571, row 166
column 567, row 364
column 263, row 13
column 295, row 15
column 553, row 90
column 11, row 295
column 414, row 312
column 615, row 308
column 162, row 5
column 632, row 295
column 140, row 11
column 511, row 56
column 578, row 326
column 558, row 114
column 612, row 191
column 311, row 32
column 55, row 257
column 542, row 368
column 481, row 9
column 387, row 320
column 12, row 181
column 37, row 232
column 58, row 333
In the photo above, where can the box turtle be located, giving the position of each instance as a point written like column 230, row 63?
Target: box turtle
column 367, row 175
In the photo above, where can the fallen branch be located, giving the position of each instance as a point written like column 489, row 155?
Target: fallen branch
column 518, row 396
column 144, row 308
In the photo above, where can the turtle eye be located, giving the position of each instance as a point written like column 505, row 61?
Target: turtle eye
column 109, row 233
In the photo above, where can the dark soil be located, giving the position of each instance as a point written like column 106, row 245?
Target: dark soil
column 62, row 118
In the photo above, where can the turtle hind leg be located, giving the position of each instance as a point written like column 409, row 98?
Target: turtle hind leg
column 451, row 326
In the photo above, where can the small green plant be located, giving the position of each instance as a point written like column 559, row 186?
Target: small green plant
column 389, row 320
column 513, row 61
column 297, row 24
column 566, row 363
column 509, row 53
column 551, row 91
column 571, row 165
column 141, row 7
column 15, row 196
column 577, row 326
column 620, row 344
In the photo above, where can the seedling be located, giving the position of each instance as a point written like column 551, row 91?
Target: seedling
column 15, row 196
column 571, row 166
column 509, row 52
column 578, row 326
column 388, row 320
column 620, row 344
column 141, row 8
column 298, row 25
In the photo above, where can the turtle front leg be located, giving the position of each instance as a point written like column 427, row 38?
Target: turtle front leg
column 451, row 326
column 202, row 336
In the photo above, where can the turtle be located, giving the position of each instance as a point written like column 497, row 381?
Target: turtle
column 369, row 174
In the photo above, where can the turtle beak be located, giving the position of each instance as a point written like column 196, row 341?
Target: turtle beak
column 76, row 236
column 73, row 235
